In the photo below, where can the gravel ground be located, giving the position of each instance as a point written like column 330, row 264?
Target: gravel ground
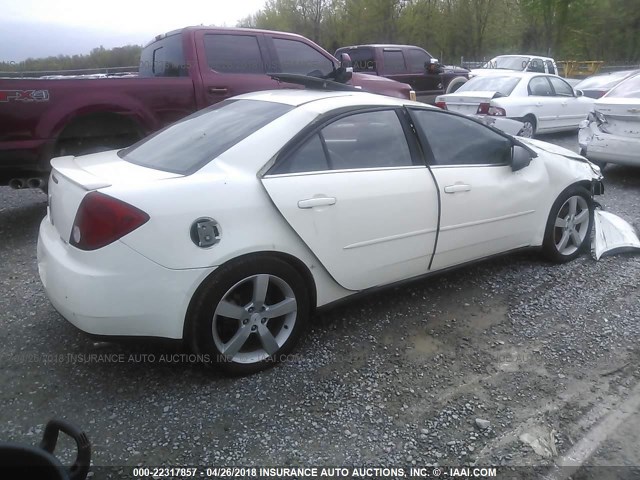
column 448, row 371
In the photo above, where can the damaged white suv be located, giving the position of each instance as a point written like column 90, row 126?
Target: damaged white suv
column 611, row 133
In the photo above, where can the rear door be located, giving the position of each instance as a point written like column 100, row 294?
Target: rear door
column 358, row 193
column 394, row 65
column 233, row 64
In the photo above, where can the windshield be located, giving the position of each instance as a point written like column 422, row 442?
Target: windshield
column 604, row 81
column 191, row 143
column 508, row 63
column 630, row 88
column 503, row 85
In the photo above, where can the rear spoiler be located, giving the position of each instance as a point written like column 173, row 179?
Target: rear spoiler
column 69, row 168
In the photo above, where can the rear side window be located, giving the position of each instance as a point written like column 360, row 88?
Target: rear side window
column 540, row 87
column 455, row 140
column 194, row 141
column 233, row 53
column 298, row 57
column 164, row 58
column 393, row 61
column 362, row 140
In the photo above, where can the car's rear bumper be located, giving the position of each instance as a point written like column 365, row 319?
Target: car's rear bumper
column 605, row 147
column 114, row 291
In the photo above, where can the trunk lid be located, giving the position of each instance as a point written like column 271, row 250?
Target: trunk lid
column 621, row 115
column 467, row 102
column 73, row 177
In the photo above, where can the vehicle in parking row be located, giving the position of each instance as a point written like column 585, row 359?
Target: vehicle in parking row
column 596, row 86
column 611, row 133
column 408, row 64
column 229, row 228
column 180, row 72
column 516, row 63
column 543, row 103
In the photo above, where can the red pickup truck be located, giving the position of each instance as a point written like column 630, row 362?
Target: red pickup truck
column 180, row 72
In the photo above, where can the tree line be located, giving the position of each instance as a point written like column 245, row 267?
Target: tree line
column 99, row 57
column 607, row 30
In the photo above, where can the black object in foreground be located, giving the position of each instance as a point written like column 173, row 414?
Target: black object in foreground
column 26, row 461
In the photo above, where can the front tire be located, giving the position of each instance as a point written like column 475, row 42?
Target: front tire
column 249, row 315
column 568, row 230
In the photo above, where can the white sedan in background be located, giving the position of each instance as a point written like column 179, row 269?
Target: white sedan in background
column 543, row 103
column 611, row 133
column 230, row 227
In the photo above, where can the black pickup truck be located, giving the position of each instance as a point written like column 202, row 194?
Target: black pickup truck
column 407, row 64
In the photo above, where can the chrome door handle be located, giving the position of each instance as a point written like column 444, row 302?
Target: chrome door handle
column 458, row 187
column 316, row 202
column 218, row 90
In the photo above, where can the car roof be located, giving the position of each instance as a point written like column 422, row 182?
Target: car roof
column 525, row 55
column 516, row 74
column 322, row 100
column 381, row 45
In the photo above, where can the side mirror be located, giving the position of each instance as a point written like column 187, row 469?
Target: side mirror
column 432, row 66
column 345, row 71
column 579, row 93
column 520, row 158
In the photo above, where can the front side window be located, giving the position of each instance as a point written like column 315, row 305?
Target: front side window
column 562, row 88
column 362, row 59
column 233, row 53
column 298, row 57
column 164, row 58
column 393, row 61
column 540, row 87
column 362, row 140
column 536, row 65
column 417, row 60
column 194, row 141
column 455, row 140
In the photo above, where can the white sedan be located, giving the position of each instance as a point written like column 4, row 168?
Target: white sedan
column 543, row 103
column 611, row 133
column 231, row 227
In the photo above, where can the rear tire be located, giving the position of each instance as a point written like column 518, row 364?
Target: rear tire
column 249, row 315
column 568, row 230
column 529, row 125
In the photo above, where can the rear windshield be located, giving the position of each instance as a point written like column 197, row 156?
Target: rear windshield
column 605, row 81
column 630, row 88
column 194, row 141
column 503, row 85
column 507, row 63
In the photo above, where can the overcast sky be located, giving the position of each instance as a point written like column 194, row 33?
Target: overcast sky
column 39, row 28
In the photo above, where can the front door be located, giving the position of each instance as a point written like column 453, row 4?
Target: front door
column 486, row 208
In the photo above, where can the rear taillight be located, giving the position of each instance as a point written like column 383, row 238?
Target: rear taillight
column 483, row 109
column 442, row 105
column 497, row 111
column 102, row 219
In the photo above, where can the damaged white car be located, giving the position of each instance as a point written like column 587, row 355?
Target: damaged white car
column 229, row 228
column 611, row 133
